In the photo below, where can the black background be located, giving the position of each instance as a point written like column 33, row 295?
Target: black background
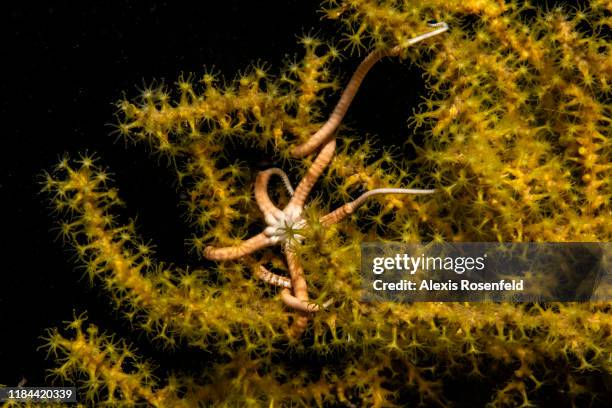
column 65, row 67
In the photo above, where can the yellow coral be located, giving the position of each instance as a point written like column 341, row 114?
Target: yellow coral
column 516, row 139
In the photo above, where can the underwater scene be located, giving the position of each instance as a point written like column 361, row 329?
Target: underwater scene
column 205, row 203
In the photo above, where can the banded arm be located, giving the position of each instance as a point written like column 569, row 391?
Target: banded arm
column 262, row 198
column 344, row 211
column 273, row 279
column 231, row 253
column 351, row 89
column 299, row 299
column 312, row 175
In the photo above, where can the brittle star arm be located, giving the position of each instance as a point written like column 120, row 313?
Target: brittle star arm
column 284, row 178
column 262, row 198
column 312, row 175
column 329, row 219
column 273, row 279
column 342, row 212
column 249, row 246
column 299, row 299
column 351, row 89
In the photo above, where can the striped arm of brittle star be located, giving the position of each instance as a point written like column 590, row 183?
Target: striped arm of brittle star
column 312, row 175
column 234, row 252
column 334, row 120
column 262, row 198
column 344, row 211
column 267, row 276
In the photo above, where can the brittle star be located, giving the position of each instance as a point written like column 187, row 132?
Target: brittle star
column 282, row 226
